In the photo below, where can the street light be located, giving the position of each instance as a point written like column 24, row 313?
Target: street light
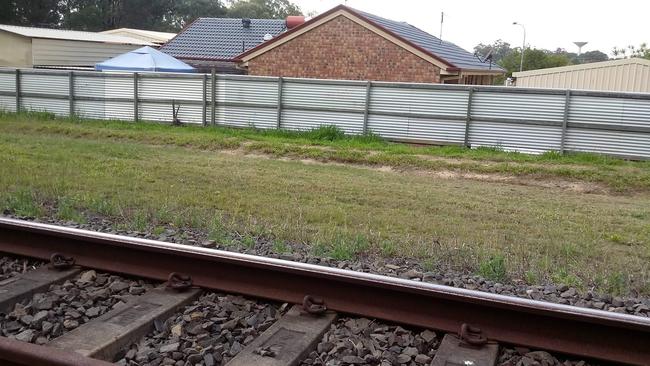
column 523, row 47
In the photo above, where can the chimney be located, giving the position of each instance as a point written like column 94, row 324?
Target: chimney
column 246, row 22
column 294, row 21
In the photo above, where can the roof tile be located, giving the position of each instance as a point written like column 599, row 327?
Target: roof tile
column 221, row 38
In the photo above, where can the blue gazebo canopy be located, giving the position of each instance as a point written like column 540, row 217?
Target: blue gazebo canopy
column 144, row 59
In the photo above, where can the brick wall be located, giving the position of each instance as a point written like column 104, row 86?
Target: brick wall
column 343, row 49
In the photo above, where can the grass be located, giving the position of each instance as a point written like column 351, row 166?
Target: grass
column 329, row 144
column 150, row 176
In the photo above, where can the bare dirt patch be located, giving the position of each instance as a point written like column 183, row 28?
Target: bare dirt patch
column 544, row 182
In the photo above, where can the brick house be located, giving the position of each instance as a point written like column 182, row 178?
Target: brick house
column 342, row 43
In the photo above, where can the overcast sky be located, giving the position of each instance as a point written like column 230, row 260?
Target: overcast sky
column 549, row 23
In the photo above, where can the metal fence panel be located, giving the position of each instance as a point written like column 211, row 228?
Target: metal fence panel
column 8, row 82
column 534, row 107
column 435, row 131
column 515, row 137
column 162, row 112
column 233, row 116
column 604, row 110
column 7, row 103
column 326, row 96
column 59, row 107
column 527, row 120
column 150, row 87
column 44, row 83
column 248, row 91
column 8, row 85
column 293, row 119
column 620, row 143
column 419, row 101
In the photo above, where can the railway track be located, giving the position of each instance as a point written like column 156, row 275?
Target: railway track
column 179, row 280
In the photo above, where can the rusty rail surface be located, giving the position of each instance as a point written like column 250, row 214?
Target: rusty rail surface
column 17, row 353
column 578, row 331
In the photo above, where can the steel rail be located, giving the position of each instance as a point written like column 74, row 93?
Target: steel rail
column 18, row 353
column 561, row 328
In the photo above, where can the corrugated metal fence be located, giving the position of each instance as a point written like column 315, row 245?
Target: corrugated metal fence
column 527, row 120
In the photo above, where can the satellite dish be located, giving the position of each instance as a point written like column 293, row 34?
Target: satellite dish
column 580, row 44
column 485, row 59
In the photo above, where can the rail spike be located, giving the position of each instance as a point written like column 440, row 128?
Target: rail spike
column 472, row 336
column 313, row 305
column 61, row 262
column 179, row 282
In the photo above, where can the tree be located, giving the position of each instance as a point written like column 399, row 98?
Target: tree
column 44, row 13
column 185, row 11
column 593, row 56
column 630, row 51
column 499, row 48
column 533, row 59
column 262, row 9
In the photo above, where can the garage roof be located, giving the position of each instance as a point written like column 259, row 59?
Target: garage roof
column 221, row 38
column 71, row 35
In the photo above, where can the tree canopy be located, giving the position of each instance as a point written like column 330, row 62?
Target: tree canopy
column 534, row 58
column 161, row 15
column 631, row 51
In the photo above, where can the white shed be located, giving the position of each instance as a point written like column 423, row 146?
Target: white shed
column 625, row 75
column 41, row 47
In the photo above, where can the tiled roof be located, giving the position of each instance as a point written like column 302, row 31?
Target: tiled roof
column 71, row 35
column 445, row 50
column 221, row 38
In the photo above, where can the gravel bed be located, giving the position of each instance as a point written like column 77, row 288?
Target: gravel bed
column 11, row 266
column 197, row 336
column 66, row 306
column 360, row 341
column 395, row 267
column 209, row 332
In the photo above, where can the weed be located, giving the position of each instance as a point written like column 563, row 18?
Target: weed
column 23, row 203
column 158, row 230
column 494, row 268
column 67, row 211
column 428, row 265
column 248, row 241
column 280, row 247
column 218, row 232
column 345, row 248
column 388, row 248
column 564, row 277
column 616, row 283
column 616, row 238
column 326, row 133
column 140, row 221
column 531, row 277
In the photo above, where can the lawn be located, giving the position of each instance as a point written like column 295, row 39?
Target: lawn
column 147, row 175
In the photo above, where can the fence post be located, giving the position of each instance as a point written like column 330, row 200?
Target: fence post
column 366, row 108
column 468, row 117
column 278, row 117
column 213, row 97
column 565, row 119
column 204, row 120
column 135, row 97
column 71, row 93
column 17, row 90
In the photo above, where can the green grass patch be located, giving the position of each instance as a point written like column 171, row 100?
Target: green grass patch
column 329, row 143
column 494, row 268
column 148, row 175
